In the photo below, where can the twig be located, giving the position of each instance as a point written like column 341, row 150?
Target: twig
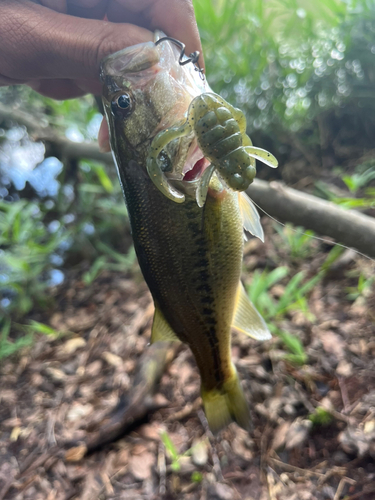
column 56, row 144
column 335, row 414
column 292, row 468
column 162, row 470
column 340, row 487
column 344, row 395
column 6, row 487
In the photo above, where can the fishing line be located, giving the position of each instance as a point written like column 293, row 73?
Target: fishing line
column 333, row 243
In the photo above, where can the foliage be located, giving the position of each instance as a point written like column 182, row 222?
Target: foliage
column 297, row 354
column 284, row 62
column 10, row 346
column 29, row 246
column 175, row 457
column 298, row 240
column 38, row 237
column 293, row 296
column 357, row 183
column 363, row 288
column 320, row 417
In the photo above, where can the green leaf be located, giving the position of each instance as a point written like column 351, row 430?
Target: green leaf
column 293, row 343
column 197, row 477
column 37, row 327
column 169, row 446
column 103, row 178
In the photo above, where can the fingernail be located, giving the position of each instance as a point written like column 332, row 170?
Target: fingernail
column 103, row 137
column 105, row 148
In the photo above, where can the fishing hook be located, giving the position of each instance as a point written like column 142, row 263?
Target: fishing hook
column 193, row 57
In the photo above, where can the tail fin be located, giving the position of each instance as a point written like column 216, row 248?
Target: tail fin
column 226, row 405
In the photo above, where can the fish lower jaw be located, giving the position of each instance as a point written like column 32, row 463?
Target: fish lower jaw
column 189, row 182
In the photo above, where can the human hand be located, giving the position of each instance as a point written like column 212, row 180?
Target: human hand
column 56, row 46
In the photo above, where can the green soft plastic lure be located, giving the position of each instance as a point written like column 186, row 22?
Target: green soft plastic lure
column 220, row 130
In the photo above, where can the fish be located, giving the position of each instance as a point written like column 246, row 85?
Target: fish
column 190, row 253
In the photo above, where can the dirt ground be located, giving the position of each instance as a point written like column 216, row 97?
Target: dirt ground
column 313, row 434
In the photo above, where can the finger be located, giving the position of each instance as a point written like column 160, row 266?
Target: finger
column 91, row 9
column 64, row 89
column 57, row 5
column 103, row 137
column 38, row 43
column 175, row 18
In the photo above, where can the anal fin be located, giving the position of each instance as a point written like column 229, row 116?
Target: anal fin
column 161, row 331
column 247, row 319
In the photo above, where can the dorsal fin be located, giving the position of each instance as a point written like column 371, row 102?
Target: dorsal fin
column 161, row 331
column 246, row 318
column 250, row 216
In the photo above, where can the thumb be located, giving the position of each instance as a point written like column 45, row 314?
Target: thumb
column 38, row 43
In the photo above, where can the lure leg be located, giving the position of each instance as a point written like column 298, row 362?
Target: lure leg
column 153, row 168
column 201, row 193
column 262, row 155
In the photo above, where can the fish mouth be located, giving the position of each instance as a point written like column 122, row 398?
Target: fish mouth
column 193, row 180
column 195, row 163
column 196, row 172
column 190, row 172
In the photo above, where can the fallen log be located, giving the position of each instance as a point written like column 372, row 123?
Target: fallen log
column 348, row 227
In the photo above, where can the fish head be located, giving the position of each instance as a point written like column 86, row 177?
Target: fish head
column 145, row 91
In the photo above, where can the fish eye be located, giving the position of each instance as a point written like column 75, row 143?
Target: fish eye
column 121, row 105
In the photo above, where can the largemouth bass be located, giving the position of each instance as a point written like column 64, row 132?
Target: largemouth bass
column 190, row 255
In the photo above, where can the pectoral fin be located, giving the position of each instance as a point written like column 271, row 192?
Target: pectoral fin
column 161, row 331
column 247, row 319
column 250, row 216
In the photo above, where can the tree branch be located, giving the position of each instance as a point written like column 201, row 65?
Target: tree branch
column 348, row 227
column 56, row 145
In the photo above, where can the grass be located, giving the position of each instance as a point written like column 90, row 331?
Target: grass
column 10, row 346
column 363, row 288
column 298, row 241
column 175, row 457
column 293, row 294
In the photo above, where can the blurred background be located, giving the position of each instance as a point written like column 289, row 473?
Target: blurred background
column 75, row 313
column 304, row 74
